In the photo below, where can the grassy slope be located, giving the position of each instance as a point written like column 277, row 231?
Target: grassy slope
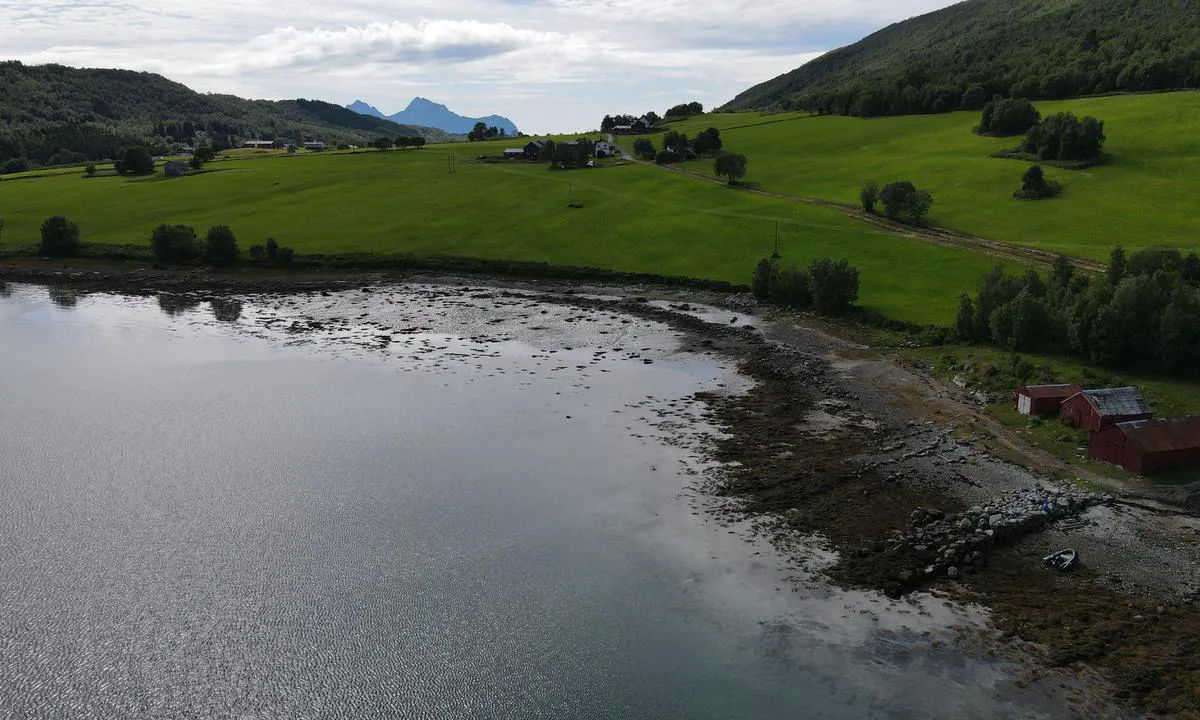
column 1147, row 196
column 635, row 218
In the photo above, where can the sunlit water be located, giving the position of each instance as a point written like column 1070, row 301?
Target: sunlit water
column 238, row 520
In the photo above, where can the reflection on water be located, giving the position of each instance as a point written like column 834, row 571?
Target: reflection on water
column 425, row 503
column 63, row 297
column 173, row 304
column 5, row 290
column 226, row 310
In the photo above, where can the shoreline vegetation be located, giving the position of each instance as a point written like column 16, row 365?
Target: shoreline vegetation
column 842, row 439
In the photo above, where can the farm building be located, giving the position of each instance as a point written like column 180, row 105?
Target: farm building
column 1147, row 446
column 314, row 145
column 174, row 168
column 259, row 144
column 1094, row 410
column 533, row 149
column 1043, row 399
column 512, row 153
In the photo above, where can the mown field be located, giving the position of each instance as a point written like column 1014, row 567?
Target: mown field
column 635, row 218
column 1146, row 196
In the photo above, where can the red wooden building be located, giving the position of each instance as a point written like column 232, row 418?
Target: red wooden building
column 1043, row 399
column 1146, row 446
column 1094, row 410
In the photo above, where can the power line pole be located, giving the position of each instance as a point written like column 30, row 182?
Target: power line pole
column 776, row 253
column 450, row 163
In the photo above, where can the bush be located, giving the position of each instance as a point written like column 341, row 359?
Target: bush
column 136, row 161
column 196, row 162
column 834, row 285
column 1008, row 117
column 272, row 248
column 666, row 157
column 220, row 246
column 285, row 256
column 174, row 243
column 760, row 282
column 60, row 236
column 1065, row 137
column 730, row 165
column 14, row 165
column 90, row 170
column 258, row 253
column 643, row 147
column 790, row 287
column 1035, row 186
column 869, row 195
column 903, row 200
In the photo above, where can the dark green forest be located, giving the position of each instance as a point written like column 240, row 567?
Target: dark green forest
column 52, row 114
column 964, row 55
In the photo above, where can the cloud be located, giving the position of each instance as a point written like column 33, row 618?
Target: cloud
column 436, row 42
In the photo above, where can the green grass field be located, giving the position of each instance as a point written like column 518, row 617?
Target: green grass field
column 1146, row 196
column 635, row 218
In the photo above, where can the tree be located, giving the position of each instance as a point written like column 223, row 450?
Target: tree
column 479, row 132
column 258, row 253
column 546, row 154
column 760, row 282
column 383, row 144
column 834, row 285
column 205, row 152
column 652, row 118
column 1116, row 266
column 195, row 162
column 1065, row 137
column 272, row 248
column 60, row 236
column 1008, row 117
column 174, row 243
column 674, row 141
column 1035, row 186
column 136, row 161
column 607, row 124
column 964, row 321
column 220, row 246
column 707, row 141
column 90, row 170
column 901, row 199
column 1062, row 272
column 731, row 166
column 869, row 195
column 643, row 147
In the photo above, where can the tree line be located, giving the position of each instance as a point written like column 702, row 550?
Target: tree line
column 828, row 286
column 1141, row 313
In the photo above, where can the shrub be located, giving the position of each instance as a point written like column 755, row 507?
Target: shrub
column 834, row 285
column 790, row 287
column 1065, row 137
column 90, row 170
column 760, row 282
column 258, row 253
column 285, row 256
column 730, row 165
column 666, row 157
column 174, row 243
column 1008, row 117
column 136, row 161
column 272, row 248
column 869, row 195
column 196, row 162
column 14, row 165
column 643, row 147
column 220, row 246
column 60, row 236
column 903, row 200
column 1035, row 186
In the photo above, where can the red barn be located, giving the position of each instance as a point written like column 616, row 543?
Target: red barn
column 1043, row 399
column 1094, row 410
column 1146, row 446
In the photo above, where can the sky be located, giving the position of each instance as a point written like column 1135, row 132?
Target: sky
column 549, row 65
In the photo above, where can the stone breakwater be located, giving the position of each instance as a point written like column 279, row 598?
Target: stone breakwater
column 940, row 545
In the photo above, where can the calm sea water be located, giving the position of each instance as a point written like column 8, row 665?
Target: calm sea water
column 204, row 519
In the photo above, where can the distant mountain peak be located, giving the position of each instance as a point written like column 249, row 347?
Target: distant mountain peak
column 423, row 111
column 362, row 108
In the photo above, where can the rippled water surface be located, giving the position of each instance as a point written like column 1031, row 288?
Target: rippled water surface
column 424, row 503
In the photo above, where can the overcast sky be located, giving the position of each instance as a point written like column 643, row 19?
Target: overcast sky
column 549, row 65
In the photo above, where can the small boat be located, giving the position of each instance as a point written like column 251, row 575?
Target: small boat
column 1062, row 560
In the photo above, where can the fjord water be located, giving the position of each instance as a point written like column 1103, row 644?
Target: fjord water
column 226, row 520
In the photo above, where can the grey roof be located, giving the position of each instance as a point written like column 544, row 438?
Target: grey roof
column 1117, row 401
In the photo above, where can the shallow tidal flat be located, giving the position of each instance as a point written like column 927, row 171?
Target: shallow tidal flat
column 411, row 501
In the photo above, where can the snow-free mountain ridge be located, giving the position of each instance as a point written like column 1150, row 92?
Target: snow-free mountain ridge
column 422, row 111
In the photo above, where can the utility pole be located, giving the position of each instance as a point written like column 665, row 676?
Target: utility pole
column 775, row 254
column 570, row 192
column 450, row 163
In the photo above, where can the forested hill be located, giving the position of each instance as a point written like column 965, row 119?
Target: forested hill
column 960, row 56
column 52, row 113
